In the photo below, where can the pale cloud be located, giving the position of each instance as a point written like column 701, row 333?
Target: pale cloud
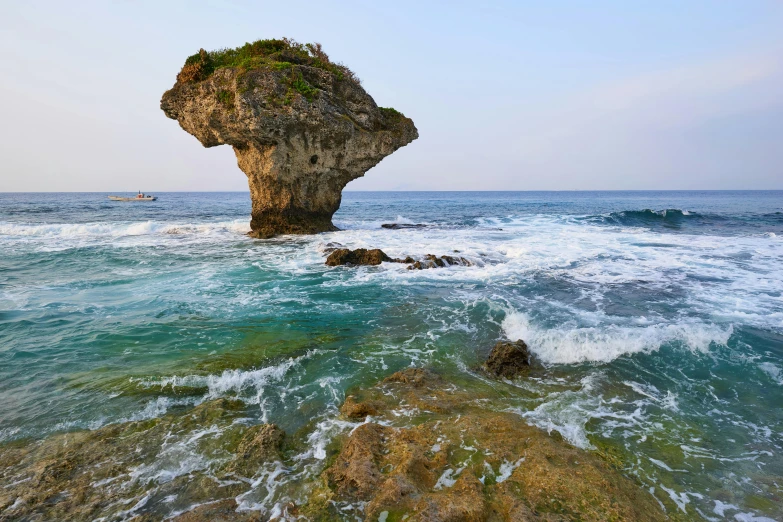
column 626, row 127
column 669, row 97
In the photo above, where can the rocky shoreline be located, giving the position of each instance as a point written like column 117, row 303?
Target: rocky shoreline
column 418, row 447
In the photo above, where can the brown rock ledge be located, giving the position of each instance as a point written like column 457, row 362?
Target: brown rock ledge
column 433, row 450
column 89, row 475
column 454, row 459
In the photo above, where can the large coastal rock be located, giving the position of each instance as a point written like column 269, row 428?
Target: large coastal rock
column 301, row 126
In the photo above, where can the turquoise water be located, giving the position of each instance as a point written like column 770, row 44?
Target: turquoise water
column 657, row 315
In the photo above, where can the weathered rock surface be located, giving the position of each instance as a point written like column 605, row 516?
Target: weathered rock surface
column 376, row 256
column 508, row 359
column 301, row 128
column 360, row 256
column 460, row 461
column 107, row 473
column 431, row 261
column 433, row 451
column 259, row 444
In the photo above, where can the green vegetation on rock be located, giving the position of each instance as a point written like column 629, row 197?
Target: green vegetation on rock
column 302, row 127
column 226, row 98
column 278, row 54
column 390, row 112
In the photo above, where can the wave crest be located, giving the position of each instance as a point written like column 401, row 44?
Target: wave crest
column 671, row 217
column 564, row 345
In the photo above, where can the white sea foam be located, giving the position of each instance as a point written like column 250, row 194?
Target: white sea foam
column 235, row 383
column 773, row 371
column 726, row 279
column 721, row 508
column 448, row 478
column 507, row 468
column 59, row 231
column 574, row 344
column 667, row 400
column 568, row 412
column 750, row 517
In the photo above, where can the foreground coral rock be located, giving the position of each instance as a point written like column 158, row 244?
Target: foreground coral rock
column 462, row 461
column 415, row 447
column 106, row 474
column 301, row 127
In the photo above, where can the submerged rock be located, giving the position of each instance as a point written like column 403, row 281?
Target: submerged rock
column 122, row 471
column 220, row 511
column 360, row 410
column 301, row 127
column 331, row 247
column 401, row 226
column 360, row 256
column 258, row 444
column 437, row 453
column 508, row 359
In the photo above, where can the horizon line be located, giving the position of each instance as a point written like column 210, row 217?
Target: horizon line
column 384, row 191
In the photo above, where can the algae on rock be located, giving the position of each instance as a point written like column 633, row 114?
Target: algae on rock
column 118, row 471
column 301, row 127
column 421, row 446
column 455, row 459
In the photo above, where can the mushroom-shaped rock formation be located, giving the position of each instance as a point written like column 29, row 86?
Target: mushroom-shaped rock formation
column 301, row 126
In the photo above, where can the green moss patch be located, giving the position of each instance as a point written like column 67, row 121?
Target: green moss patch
column 226, row 98
column 278, row 54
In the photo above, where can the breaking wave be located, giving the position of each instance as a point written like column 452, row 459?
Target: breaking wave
column 248, row 385
column 669, row 218
column 571, row 345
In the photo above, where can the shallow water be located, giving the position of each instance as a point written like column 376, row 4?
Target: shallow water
column 658, row 317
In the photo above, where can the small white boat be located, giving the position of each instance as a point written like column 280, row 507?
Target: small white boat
column 139, row 197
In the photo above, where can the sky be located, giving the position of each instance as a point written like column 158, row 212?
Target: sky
column 556, row 95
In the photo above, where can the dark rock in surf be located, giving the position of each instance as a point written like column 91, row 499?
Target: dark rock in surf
column 508, row 359
column 431, row 261
column 400, row 226
column 376, row 256
column 331, row 247
column 360, row 256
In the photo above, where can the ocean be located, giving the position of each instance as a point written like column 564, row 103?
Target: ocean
column 656, row 317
